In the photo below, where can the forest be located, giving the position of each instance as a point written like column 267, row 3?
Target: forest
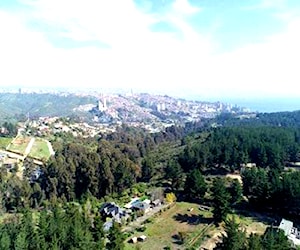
column 60, row 210
column 17, row 107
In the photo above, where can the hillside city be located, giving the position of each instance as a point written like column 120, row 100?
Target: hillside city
column 153, row 113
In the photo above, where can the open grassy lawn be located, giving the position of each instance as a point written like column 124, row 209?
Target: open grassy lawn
column 195, row 226
column 19, row 144
column 254, row 222
column 40, row 149
column 4, row 142
column 166, row 227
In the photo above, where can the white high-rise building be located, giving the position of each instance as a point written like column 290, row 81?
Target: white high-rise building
column 102, row 105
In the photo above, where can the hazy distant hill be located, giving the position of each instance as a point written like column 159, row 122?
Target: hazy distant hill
column 14, row 105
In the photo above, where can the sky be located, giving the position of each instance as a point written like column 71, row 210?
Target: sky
column 205, row 48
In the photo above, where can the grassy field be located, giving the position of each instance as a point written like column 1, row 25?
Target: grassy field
column 166, row 228
column 4, row 142
column 39, row 149
column 254, row 222
column 19, row 144
column 195, row 226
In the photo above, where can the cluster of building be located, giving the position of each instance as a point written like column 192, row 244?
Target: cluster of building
column 45, row 126
column 111, row 212
column 156, row 112
column 151, row 112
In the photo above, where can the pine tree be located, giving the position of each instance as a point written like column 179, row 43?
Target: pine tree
column 28, row 227
column 274, row 239
column 195, row 186
column 174, row 173
column 234, row 238
column 236, row 192
column 147, row 169
column 43, row 230
column 254, row 242
column 21, row 242
column 5, row 240
column 221, row 198
column 58, row 228
column 116, row 238
column 97, row 232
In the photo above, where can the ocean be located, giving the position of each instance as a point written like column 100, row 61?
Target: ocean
column 267, row 105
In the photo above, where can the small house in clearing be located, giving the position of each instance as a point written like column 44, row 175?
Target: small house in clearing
column 290, row 231
column 114, row 212
column 143, row 206
column 111, row 210
column 155, row 203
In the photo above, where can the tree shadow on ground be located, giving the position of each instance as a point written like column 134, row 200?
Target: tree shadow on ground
column 176, row 239
column 259, row 216
column 216, row 171
column 192, row 219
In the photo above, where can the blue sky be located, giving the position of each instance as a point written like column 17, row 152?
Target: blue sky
column 205, row 48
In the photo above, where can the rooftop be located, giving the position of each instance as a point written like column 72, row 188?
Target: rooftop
column 286, row 226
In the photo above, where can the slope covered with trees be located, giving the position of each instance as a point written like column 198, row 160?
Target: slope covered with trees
column 16, row 107
column 234, row 146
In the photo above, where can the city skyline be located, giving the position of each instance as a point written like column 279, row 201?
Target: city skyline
column 211, row 49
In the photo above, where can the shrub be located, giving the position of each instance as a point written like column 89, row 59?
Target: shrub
column 141, row 229
column 149, row 220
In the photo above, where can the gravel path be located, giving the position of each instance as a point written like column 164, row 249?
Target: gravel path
column 29, row 147
column 50, row 148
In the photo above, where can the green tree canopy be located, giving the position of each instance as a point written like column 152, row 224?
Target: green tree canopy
column 221, row 198
column 233, row 238
column 195, row 185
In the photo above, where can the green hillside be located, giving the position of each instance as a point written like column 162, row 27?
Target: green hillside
column 16, row 106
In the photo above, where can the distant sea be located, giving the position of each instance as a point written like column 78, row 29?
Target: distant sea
column 266, row 105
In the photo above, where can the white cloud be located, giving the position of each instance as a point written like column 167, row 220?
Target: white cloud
column 263, row 69
column 137, row 55
column 184, row 7
column 140, row 58
column 267, row 4
column 113, row 22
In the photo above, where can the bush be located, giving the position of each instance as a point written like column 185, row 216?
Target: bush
column 133, row 216
column 182, row 236
column 139, row 188
column 141, row 229
column 170, row 198
column 144, row 197
column 149, row 220
column 128, row 234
